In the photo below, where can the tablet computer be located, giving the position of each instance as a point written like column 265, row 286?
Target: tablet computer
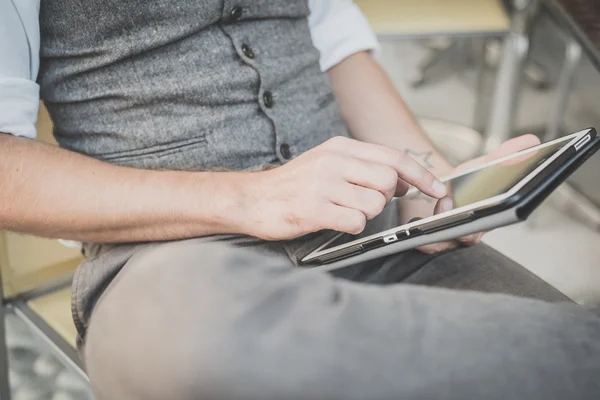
column 489, row 196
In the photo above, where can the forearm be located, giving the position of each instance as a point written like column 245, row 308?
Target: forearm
column 374, row 111
column 53, row 192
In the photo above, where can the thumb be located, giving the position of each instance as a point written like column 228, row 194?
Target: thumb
column 513, row 146
column 507, row 148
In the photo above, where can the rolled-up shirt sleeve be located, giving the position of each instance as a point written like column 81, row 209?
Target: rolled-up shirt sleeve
column 19, row 64
column 339, row 29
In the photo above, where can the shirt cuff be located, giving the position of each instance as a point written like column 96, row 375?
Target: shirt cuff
column 19, row 105
column 344, row 34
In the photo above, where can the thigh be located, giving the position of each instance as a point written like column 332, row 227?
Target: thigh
column 191, row 320
column 478, row 268
column 151, row 328
column 483, row 269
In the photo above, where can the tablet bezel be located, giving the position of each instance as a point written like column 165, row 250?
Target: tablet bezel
column 570, row 141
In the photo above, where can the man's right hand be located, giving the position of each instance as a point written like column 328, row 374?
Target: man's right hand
column 338, row 185
column 56, row 193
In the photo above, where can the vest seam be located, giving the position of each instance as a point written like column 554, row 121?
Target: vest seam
column 164, row 148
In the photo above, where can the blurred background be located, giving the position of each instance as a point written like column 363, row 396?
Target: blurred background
column 475, row 72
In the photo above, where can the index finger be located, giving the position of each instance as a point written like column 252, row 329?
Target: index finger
column 408, row 169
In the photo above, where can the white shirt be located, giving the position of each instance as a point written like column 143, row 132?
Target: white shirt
column 338, row 30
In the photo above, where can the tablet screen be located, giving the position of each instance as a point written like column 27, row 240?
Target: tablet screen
column 464, row 190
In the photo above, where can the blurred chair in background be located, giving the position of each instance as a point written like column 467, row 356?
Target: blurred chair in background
column 578, row 25
column 461, row 33
column 393, row 19
column 578, row 22
column 35, row 277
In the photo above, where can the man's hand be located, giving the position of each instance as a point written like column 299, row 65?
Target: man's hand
column 507, row 148
column 338, row 185
column 374, row 112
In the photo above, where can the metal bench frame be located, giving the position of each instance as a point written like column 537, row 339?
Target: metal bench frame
column 58, row 345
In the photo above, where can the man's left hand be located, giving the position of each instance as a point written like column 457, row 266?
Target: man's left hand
column 507, row 148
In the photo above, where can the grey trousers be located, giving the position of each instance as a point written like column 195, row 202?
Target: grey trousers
column 202, row 319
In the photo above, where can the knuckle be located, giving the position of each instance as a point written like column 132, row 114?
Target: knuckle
column 425, row 249
column 294, row 218
column 357, row 223
column 421, row 179
column 351, row 221
column 380, row 203
column 326, row 160
column 438, row 248
column 376, row 204
column 419, row 172
column 370, row 213
column 303, row 218
column 390, row 180
column 329, row 191
column 398, row 157
column 427, row 175
column 470, row 239
column 336, row 141
column 369, row 201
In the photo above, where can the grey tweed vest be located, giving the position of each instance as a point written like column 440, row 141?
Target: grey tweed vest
column 185, row 84
column 182, row 85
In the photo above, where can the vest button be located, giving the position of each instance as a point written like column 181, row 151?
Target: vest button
column 247, row 51
column 236, row 13
column 268, row 99
column 285, row 151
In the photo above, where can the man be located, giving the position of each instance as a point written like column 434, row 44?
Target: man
column 172, row 115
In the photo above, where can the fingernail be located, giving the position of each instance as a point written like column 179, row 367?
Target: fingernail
column 439, row 188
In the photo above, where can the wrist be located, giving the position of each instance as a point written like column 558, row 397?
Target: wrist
column 225, row 204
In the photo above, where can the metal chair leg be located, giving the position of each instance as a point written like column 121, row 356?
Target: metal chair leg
column 4, row 381
column 59, row 347
column 566, row 197
column 504, row 103
column 481, row 108
column 563, row 88
column 567, row 200
column 516, row 49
